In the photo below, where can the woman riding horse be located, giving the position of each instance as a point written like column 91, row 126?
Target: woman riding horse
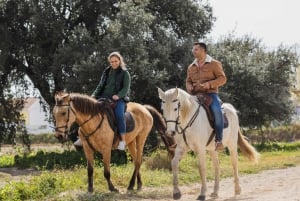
column 114, row 84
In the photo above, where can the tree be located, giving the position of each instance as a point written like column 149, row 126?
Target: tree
column 60, row 44
column 11, row 120
column 63, row 45
column 259, row 80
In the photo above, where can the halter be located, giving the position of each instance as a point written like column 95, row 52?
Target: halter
column 66, row 129
column 177, row 123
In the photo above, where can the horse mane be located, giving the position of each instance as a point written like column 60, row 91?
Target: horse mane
column 86, row 104
column 186, row 103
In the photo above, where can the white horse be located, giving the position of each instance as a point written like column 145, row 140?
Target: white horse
column 187, row 121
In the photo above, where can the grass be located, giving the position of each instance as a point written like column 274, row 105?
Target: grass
column 70, row 184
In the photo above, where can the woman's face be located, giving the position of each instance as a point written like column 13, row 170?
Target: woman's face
column 114, row 62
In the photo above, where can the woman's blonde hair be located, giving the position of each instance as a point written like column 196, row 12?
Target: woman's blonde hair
column 118, row 55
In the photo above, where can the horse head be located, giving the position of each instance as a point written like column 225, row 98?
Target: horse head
column 64, row 115
column 171, row 108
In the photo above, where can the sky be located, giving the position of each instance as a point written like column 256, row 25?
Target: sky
column 275, row 22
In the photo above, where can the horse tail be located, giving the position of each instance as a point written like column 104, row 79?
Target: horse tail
column 161, row 127
column 246, row 148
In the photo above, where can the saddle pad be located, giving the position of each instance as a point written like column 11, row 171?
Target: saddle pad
column 129, row 122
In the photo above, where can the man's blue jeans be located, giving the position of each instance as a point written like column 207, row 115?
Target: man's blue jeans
column 217, row 112
column 120, row 117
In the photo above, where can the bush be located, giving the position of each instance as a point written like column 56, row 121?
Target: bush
column 290, row 133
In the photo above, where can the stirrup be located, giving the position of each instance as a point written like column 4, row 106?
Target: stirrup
column 219, row 146
column 172, row 147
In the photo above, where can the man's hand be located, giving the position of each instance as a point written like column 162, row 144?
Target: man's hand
column 205, row 85
column 189, row 87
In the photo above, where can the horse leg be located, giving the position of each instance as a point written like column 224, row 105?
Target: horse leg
column 234, row 162
column 175, row 164
column 89, row 154
column 216, row 165
column 106, row 154
column 202, row 171
column 133, row 152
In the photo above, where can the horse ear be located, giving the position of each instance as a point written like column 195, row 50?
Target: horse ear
column 176, row 92
column 161, row 93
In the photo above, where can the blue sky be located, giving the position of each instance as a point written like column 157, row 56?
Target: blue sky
column 275, row 22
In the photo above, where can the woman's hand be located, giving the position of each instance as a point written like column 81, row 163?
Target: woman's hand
column 115, row 97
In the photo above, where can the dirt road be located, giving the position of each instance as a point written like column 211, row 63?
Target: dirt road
column 270, row 185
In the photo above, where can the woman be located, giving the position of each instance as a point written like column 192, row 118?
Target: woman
column 114, row 84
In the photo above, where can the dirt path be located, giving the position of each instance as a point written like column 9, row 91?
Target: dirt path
column 270, row 185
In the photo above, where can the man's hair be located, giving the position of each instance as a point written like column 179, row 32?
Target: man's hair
column 202, row 45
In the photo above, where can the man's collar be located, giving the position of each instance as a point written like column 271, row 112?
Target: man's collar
column 208, row 59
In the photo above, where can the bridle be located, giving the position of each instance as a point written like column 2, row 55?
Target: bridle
column 178, row 128
column 177, row 123
column 67, row 132
column 66, row 129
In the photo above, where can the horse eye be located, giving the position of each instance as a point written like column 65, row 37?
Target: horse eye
column 175, row 109
column 64, row 113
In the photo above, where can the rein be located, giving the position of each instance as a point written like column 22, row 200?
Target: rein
column 67, row 131
column 86, row 136
column 189, row 124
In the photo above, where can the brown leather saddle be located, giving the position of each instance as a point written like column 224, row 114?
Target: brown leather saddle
column 110, row 105
column 205, row 100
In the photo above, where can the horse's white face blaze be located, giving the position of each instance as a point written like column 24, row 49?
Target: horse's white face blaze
column 63, row 115
column 170, row 107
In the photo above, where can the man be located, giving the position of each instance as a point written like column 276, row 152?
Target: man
column 206, row 75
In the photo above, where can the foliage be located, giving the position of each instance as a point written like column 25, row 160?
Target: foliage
column 63, row 45
column 259, row 80
column 65, row 160
column 43, row 186
column 278, row 146
column 288, row 133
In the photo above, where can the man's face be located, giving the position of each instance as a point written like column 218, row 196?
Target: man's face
column 198, row 52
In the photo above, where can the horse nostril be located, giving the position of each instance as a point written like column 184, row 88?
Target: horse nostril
column 173, row 133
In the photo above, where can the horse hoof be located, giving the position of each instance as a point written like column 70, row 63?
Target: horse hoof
column 238, row 191
column 90, row 189
column 214, row 195
column 130, row 188
column 201, row 197
column 177, row 196
column 114, row 190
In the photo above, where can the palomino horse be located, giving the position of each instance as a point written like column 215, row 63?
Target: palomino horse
column 188, row 122
column 97, row 134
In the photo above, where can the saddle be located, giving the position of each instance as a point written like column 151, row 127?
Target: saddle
column 110, row 105
column 205, row 100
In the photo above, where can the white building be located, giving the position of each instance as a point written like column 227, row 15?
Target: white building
column 36, row 119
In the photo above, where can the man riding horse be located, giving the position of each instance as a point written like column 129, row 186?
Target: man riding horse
column 206, row 75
